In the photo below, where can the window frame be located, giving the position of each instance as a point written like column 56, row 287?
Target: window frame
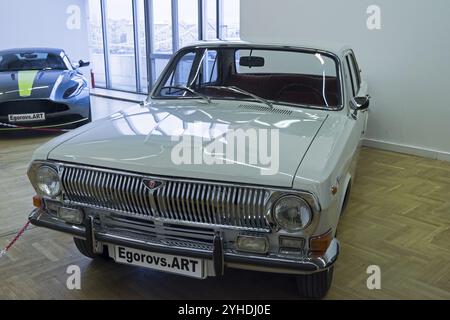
column 354, row 72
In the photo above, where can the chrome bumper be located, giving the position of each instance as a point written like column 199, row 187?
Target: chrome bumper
column 217, row 257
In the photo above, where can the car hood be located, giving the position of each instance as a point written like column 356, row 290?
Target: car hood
column 146, row 139
column 32, row 84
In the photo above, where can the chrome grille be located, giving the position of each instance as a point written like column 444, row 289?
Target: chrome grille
column 176, row 200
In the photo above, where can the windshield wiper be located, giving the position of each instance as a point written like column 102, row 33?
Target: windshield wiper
column 243, row 92
column 183, row 88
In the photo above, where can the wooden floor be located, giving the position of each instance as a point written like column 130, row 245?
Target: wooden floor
column 398, row 218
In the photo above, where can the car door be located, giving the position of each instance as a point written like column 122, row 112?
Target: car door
column 354, row 86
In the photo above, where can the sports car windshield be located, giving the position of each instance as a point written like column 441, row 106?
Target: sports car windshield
column 21, row 61
column 266, row 75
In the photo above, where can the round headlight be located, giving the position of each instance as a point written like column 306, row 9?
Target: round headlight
column 47, row 181
column 292, row 213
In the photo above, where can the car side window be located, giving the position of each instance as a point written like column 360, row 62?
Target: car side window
column 357, row 70
column 349, row 76
column 353, row 73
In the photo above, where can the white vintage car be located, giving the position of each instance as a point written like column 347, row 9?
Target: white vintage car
column 243, row 156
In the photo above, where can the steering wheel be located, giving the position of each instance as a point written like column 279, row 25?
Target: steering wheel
column 299, row 85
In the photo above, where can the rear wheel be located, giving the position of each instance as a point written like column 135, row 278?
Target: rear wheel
column 87, row 250
column 316, row 285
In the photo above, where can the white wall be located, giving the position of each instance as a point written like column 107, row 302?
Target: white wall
column 407, row 62
column 43, row 23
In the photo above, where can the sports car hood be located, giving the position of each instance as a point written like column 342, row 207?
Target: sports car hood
column 185, row 139
column 32, row 84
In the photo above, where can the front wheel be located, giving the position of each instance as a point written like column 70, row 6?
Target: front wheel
column 87, row 251
column 316, row 285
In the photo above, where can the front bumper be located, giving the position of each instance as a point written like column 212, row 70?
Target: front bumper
column 68, row 114
column 217, row 256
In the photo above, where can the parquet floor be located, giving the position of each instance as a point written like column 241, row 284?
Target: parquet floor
column 398, row 218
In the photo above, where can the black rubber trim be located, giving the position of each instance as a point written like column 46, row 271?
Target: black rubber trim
column 218, row 257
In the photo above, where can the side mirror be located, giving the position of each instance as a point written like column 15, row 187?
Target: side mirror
column 82, row 64
column 360, row 103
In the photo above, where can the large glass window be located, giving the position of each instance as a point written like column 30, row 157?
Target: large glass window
column 130, row 30
column 96, row 48
column 120, row 33
column 142, row 46
column 210, row 19
column 162, row 26
column 230, row 19
column 162, row 36
column 188, row 27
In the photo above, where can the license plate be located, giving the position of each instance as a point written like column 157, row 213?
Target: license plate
column 28, row 117
column 190, row 267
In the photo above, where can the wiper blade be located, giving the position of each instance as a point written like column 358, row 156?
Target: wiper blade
column 204, row 97
column 242, row 91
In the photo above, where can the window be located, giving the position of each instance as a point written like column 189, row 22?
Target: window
column 141, row 46
column 210, row 19
column 131, row 41
column 32, row 61
column 206, row 63
column 121, row 54
column 188, row 27
column 210, row 66
column 162, row 27
column 280, row 75
column 353, row 74
column 181, row 74
column 96, row 47
column 356, row 70
column 229, row 19
column 162, row 37
column 287, row 62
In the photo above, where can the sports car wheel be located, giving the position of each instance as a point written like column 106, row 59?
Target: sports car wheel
column 87, row 251
column 316, row 285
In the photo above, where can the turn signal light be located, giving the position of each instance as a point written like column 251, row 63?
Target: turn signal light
column 37, row 202
column 319, row 245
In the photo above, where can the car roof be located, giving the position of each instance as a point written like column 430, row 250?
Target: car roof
column 20, row 50
column 334, row 48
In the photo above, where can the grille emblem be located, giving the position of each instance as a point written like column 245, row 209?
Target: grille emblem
column 152, row 185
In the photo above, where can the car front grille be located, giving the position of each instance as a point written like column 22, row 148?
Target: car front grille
column 165, row 234
column 239, row 207
column 31, row 106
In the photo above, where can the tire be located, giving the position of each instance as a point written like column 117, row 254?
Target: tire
column 316, row 285
column 87, row 251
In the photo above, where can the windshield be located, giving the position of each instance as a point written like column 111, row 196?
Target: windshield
column 31, row 61
column 265, row 75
